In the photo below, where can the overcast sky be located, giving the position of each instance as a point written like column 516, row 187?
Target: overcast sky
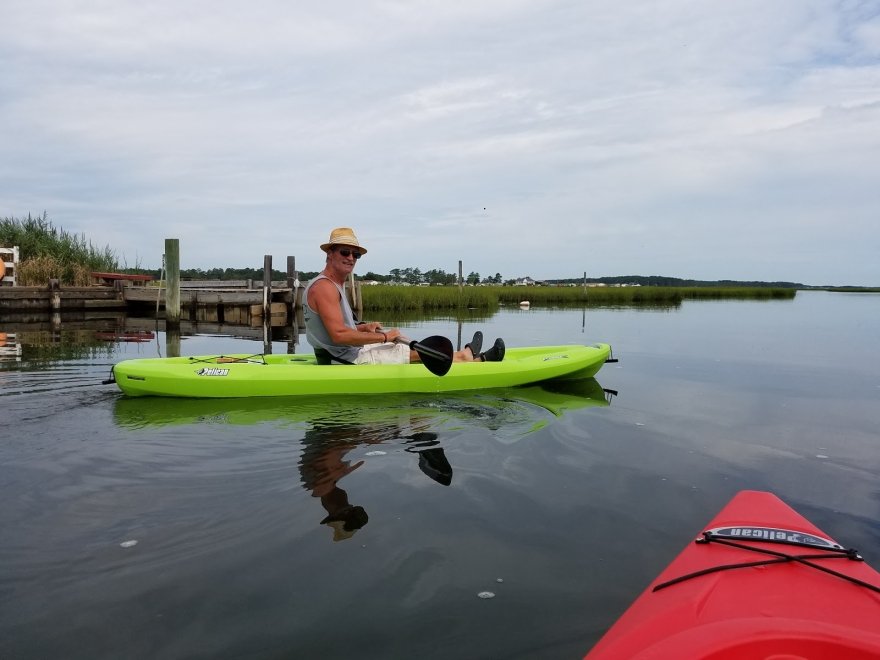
column 708, row 139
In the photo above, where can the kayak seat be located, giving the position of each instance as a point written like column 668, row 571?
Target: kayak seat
column 324, row 357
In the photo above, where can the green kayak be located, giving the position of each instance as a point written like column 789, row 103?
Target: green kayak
column 300, row 374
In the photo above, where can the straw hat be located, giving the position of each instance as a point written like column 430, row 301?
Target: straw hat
column 343, row 236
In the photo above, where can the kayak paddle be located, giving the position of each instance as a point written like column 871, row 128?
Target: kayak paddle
column 435, row 352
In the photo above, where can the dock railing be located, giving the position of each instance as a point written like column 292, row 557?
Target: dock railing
column 8, row 266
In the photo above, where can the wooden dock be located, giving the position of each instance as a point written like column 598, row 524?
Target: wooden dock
column 50, row 299
column 232, row 302
column 223, row 302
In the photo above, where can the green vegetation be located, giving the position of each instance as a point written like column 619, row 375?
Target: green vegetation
column 426, row 298
column 661, row 280
column 430, row 298
column 49, row 252
column 853, row 289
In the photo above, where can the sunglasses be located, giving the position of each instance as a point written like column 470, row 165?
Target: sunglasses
column 349, row 253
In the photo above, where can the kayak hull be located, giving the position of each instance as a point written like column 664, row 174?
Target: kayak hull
column 300, row 375
column 783, row 610
column 514, row 407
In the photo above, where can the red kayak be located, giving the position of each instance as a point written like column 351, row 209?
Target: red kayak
column 761, row 582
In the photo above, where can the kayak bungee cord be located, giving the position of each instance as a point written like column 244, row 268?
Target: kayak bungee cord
column 212, row 359
column 256, row 358
column 780, row 558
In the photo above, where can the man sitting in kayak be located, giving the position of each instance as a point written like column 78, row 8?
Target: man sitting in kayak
column 331, row 328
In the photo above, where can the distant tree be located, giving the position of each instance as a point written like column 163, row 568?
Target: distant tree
column 438, row 277
column 412, row 275
column 370, row 275
column 473, row 278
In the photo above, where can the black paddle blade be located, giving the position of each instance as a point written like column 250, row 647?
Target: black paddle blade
column 436, row 354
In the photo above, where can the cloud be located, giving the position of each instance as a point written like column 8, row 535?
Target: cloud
column 530, row 137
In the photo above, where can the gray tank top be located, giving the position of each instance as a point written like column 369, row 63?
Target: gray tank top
column 317, row 334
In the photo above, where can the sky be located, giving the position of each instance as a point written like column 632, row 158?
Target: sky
column 706, row 139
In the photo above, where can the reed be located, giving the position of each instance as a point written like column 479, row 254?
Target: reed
column 46, row 249
column 392, row 298
column 432, row 298
column 36, row 271
column 742, row 292
column 854, row 289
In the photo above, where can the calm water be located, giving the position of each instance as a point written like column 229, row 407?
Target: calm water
column 204, row 529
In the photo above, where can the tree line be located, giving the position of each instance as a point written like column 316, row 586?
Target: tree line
column 438, row 277
column 413, row 276
column 61, row 252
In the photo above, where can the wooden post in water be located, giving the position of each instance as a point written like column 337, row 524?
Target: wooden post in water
column 267, row 286
column 584, row 314
column 291, row 272
column 352, row 293
column 460, row 280
column 267, row 304
column 55, row 288
column 293, row 285
column 172, row 340
column 172, row 286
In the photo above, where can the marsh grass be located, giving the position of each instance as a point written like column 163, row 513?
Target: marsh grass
column 432, row 298
column 426, row 298
column 48, row 252
column 854, row 289
column 39, row 270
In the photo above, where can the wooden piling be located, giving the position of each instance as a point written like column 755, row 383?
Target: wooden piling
column 172, row 287
column 352, row 292
column 172, row 340
column 291, row 272
column 267, row 285
column 460, row 281
column 293, row 285
column 55, row 300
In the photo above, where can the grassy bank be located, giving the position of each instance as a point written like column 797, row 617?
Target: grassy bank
column 400, row 298
column 49, row 252
column 853, row 289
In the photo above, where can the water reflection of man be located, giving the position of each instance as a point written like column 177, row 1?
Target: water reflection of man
column 321, row 468
column 323, row 465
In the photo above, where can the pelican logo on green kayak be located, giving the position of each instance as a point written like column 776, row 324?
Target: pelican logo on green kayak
column 212, row 371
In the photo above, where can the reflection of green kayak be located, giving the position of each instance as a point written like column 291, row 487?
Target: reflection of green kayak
column 491, row 407
column 299, row 375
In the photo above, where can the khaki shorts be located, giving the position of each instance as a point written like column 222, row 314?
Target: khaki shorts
column 387, row 353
